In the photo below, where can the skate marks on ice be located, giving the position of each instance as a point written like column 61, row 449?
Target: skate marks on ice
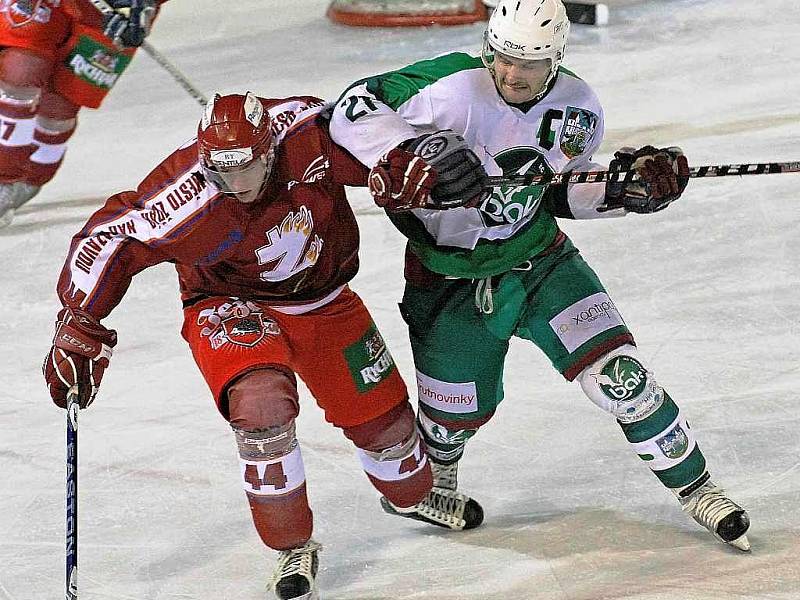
column 35, row 216
column 586, row 554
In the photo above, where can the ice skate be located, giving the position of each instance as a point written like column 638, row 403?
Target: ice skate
column 445, row 476
column 6, row 204
column 23, row 192
column 12, row 197
column 710, row 507
column 443, row 506
column 294, row 574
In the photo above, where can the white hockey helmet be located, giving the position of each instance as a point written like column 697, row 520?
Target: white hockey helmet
column 527, row 30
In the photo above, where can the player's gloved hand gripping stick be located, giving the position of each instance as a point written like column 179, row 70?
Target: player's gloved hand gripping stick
column 136, row 32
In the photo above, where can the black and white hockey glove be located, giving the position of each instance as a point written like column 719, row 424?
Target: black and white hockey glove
column 663, row 175
column 461, row 179
column 436, row 171
column 130, row 23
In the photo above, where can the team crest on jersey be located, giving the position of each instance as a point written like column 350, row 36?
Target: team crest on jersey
column 579, row 127
column 292, row 246
column 22, row 12
column 245, row 331
column 237, row 322
column 510, row 204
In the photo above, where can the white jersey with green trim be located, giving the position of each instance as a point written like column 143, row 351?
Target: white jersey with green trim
column 456, row 91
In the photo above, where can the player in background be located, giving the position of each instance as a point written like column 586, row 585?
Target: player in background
column 495, row 264
column 254, row 216
column 55, row 57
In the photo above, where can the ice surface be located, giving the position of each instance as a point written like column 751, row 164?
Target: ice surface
column 711, row 289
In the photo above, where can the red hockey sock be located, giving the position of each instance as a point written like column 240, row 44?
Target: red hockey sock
column 17, row 118
column 50, row 139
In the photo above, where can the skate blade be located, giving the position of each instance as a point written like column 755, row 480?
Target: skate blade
column 742, row 543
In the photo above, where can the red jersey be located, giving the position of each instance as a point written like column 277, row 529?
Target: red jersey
column 295, row 244
column 85, row 12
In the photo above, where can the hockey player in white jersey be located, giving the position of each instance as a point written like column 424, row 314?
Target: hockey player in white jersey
column 483, row 266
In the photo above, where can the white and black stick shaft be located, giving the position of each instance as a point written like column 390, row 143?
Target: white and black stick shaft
column 71, row 581
column 626, row 176
column 587, row 13
column 179, row 77
column 176, row 74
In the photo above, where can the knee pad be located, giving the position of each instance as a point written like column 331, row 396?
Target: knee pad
column 22, row 101
column 393, row 456
column 389, row 430
column 620, row 384
column 262, row 398
column 270, row 460
column 56, row 126
column 24, row 69
column 275, row 482
column 389, row 439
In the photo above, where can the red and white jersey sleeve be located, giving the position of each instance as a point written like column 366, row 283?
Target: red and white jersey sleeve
column 296, row 244
column 133, row 231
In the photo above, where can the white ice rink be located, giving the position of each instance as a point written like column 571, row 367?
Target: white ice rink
column 710, row 288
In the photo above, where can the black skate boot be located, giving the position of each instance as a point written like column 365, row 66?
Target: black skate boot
column 294, row 574
column 711, row 508
column 443, row 506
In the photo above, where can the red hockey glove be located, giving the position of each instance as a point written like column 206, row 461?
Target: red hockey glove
column 80, row 354
column 401, row 181
column 436, row 171
column 663, row 175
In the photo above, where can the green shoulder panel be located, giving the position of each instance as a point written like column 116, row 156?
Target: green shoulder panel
column 396, row 87
column 566, row 71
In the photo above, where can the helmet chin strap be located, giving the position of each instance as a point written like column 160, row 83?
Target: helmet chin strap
column 545, row 86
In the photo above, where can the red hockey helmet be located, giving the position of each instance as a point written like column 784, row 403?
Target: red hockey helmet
column 236, row 145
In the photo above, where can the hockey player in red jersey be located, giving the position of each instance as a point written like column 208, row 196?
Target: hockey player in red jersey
column 55, row 57
column 254, row 216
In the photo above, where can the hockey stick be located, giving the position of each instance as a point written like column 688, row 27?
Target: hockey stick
column 587, row 13
column 179, row 77
column 71, row 583
column 165, row 64
column 627, row 176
